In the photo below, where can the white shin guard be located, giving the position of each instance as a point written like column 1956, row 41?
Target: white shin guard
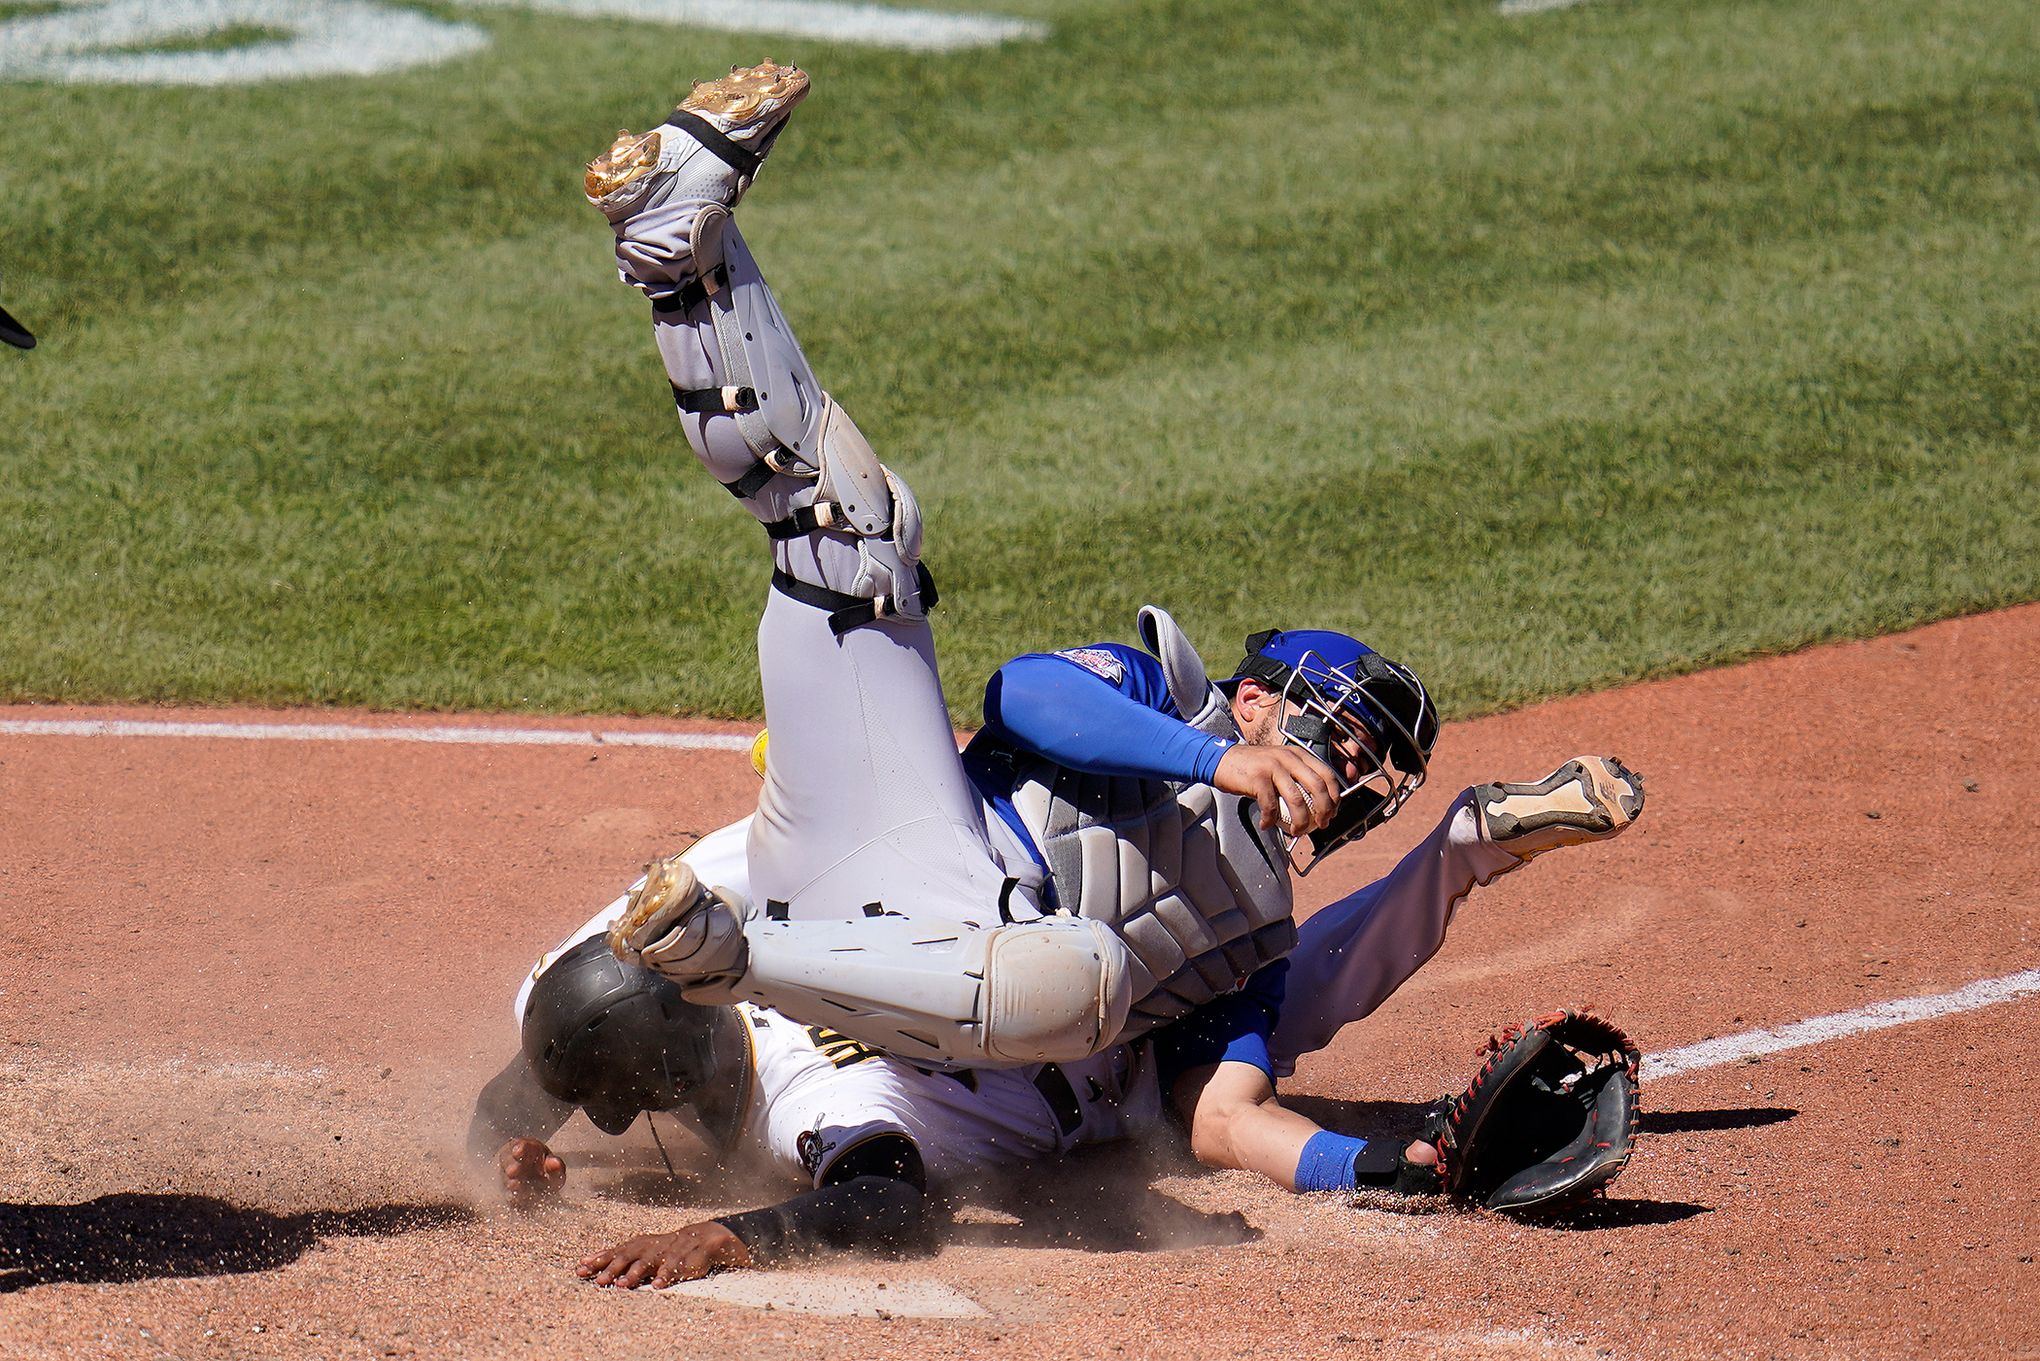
column 1050, row 991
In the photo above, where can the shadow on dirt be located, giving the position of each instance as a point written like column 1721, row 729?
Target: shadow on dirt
column 1619, row 1214
column 1369, row 1119
column 663, row 1190
column 1696, row 1122
column 1100, row 1200
column 132, row 1236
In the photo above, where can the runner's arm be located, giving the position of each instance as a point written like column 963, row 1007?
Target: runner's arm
column 872, row 1197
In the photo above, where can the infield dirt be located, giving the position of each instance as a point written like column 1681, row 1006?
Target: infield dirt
column 253, row 986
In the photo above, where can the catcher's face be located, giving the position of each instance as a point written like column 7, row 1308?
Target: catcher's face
column 1267, row 719
column 1372, row 786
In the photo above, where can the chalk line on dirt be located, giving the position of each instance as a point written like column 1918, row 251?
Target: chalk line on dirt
column 347, row 732
column 818, row 1293
column 1877, row 1016
column 815, row 1292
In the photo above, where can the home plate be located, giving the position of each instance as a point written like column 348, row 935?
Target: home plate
column 810, row 1292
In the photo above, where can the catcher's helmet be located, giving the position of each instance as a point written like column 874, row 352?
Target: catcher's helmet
column 616, row 1039
column 1347, row 701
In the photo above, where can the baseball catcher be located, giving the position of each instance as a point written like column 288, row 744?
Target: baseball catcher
column 1116, row 852
column 1112, row 857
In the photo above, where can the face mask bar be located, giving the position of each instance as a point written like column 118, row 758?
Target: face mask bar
column 1326, row 705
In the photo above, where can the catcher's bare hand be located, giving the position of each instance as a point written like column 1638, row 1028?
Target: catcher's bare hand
column 531, row 1172
column 1278, row 779
column 663, row 1258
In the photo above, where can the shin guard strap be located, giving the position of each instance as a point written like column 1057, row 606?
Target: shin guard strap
column 752, row 482
column 694, row 292
column 847, row 611
column 739, row 159
column 806, row 520
column 723, row 401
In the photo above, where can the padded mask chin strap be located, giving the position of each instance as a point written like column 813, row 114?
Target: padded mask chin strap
column 1312, row 731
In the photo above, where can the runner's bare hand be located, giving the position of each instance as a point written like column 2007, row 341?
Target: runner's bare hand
column 531, row 1171
column 663, row 1258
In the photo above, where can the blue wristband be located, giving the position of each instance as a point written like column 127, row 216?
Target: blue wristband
column 1327, row 1162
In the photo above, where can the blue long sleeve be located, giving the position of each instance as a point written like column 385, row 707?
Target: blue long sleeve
column 1103, row 709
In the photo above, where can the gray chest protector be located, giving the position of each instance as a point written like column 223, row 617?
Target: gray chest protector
column 1182, row 872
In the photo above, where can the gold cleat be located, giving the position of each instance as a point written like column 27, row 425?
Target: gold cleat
column 748, row 93
column 629, row 159
column 678, row 926
column 744, row 107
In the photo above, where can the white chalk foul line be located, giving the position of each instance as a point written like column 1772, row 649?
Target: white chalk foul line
column 1688, row 1058
column 831, row 20
column 1512, row 8
column 1878, row 1016
column 343, row 732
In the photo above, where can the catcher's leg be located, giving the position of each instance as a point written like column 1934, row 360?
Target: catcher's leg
column 1053, row 990
column 1352, row 955
column 846, row 533
column 1589, row 798
column 876, row 907
column 866, row 815
column 865, row 799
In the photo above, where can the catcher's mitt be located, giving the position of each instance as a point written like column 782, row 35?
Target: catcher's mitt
column 1550, row 1119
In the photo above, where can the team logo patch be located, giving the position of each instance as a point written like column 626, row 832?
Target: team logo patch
column 812, row 1148
column 1097, row 661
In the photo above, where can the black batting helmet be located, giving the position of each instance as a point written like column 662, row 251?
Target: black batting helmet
column 616, row 1039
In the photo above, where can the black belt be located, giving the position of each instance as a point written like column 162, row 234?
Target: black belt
column 847, row 611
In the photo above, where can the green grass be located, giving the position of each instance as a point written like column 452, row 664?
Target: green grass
column 1542, row 353
column 213, row 40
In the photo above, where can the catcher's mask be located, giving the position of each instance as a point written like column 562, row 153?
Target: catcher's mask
column 616, row 1039
column 1347, row 705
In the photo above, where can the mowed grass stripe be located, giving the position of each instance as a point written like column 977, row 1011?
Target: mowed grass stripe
column 1363, row 323
column 1424, row 522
